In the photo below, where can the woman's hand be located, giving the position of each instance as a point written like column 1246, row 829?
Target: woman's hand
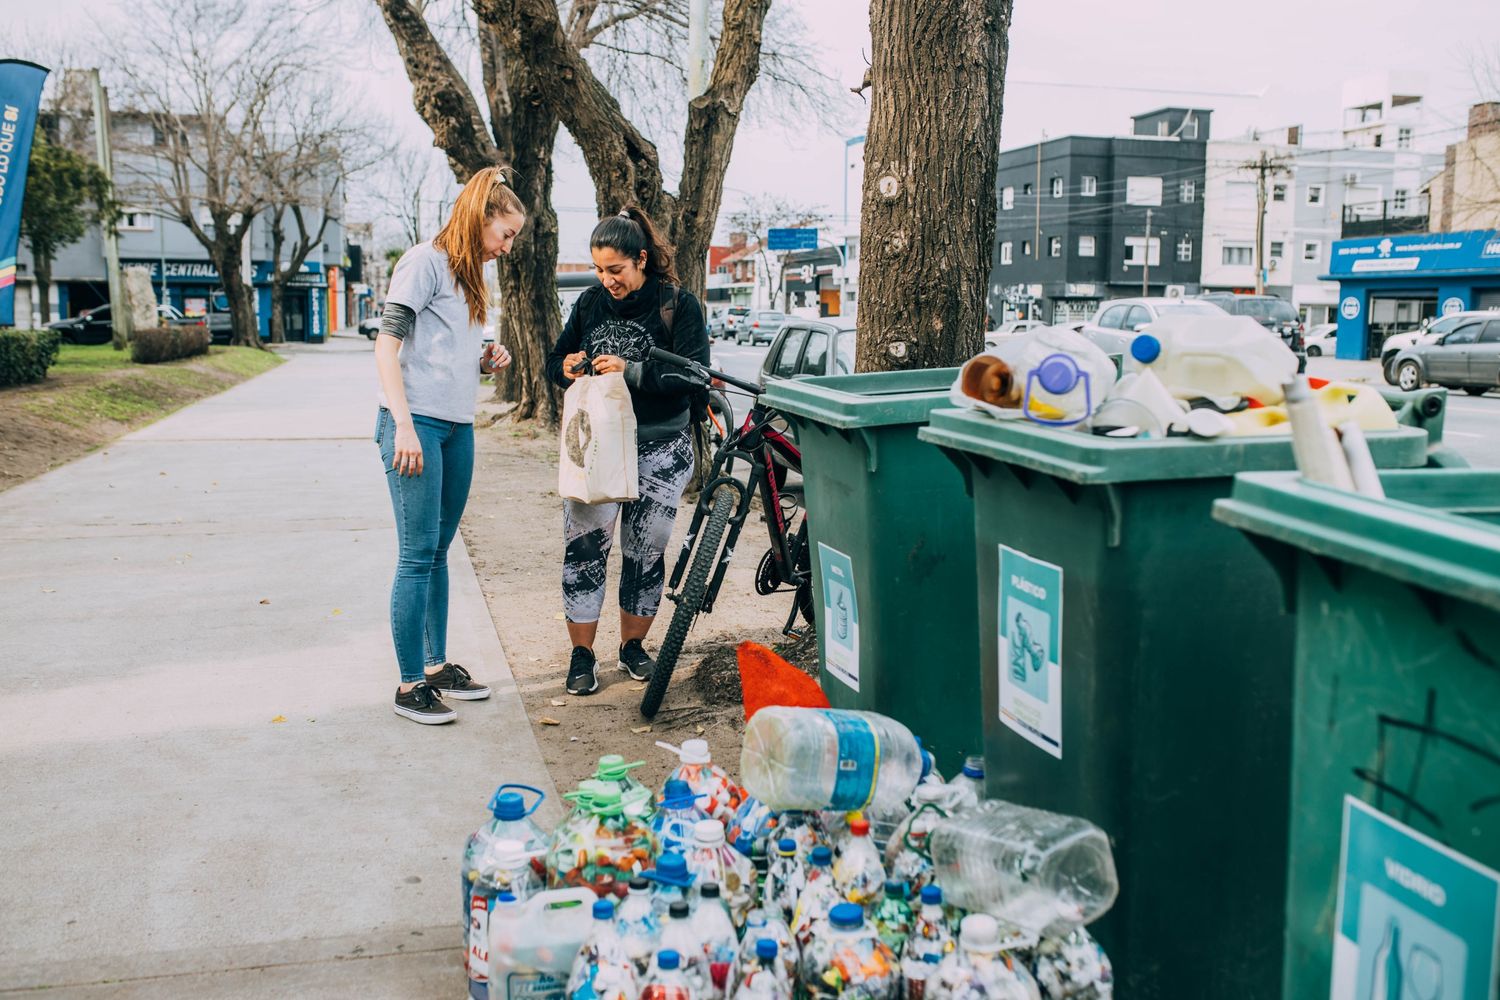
column 408, row 458
column 573, row 361
column 606, row 363
column 495, row 358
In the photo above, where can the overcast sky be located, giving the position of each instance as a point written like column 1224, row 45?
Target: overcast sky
column 1076, row 67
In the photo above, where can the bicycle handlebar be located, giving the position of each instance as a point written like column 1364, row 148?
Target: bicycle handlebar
column 678, row 361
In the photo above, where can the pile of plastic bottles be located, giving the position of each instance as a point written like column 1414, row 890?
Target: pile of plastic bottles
column 712, row 891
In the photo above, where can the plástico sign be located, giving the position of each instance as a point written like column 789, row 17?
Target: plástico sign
column 20, row 96
column 1031, row 649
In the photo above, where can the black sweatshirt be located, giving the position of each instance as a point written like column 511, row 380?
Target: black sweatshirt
column 629, row 328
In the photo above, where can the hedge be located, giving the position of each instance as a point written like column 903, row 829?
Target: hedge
column 168, row 343
column 25, row 355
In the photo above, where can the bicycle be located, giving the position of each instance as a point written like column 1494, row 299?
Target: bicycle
column 718, row 518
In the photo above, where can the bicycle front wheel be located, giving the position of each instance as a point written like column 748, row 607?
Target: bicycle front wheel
column 690, row 598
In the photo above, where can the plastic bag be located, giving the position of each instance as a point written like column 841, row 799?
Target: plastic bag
column 597, row 453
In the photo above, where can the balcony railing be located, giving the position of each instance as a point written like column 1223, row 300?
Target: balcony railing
column 1390, row 217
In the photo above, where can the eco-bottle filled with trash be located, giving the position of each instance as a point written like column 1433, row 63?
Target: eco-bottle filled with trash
column 504, row 855
column 859, row 872
column 638, row 924
column 762, row 924
column 607, row 839
column 671, row 882
column 766, row 979
column 666, row 980
column 818, row 759
column 846, row 958
column 819, row 896
column 979, row 967
column 603, row 970
column 785, row 879
column 719, row 796
column 930, row 942
column 721, row 947
column 893, row 917
column 679, row 935
column 712, row 860
column 678, row 812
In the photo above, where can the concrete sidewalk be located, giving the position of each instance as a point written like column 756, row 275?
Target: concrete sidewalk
column 165, row 602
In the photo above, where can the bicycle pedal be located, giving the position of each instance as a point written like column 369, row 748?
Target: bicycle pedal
column 794, row 634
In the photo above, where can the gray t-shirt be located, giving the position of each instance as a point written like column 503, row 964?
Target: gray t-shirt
column 440, row 357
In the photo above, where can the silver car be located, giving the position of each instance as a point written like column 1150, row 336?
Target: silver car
column 1466, row 357
column 1116, row 323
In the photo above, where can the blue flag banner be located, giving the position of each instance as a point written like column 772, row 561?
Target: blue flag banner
column 20, row 98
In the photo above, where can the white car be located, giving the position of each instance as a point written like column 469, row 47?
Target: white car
column 1322, row 339
column 1116, row 323
column 1014, row 328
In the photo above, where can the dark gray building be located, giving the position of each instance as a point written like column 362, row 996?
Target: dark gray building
column 1072, row 221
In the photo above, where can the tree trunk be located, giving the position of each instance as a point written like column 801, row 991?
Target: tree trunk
column 928, row 219
column 226, row 257
column 42, row 268
column 278, row 309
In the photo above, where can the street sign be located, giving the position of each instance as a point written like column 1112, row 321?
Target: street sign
column 792, row 239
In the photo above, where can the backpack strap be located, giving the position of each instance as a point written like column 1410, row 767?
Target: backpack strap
column 668, row 306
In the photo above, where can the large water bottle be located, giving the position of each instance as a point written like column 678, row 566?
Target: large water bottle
column 820, row 758
column 504, row 855
column 719, row 796
column 533, row 944
column 602, row 970
column 1213, row 356
column 1042, row 872
column 721, row 944
column 970, row 781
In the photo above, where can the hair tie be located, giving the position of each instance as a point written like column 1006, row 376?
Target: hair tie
column 624, row 213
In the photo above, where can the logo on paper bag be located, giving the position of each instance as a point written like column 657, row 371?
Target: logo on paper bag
column 577, row 437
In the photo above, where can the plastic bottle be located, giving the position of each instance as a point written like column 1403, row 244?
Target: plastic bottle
column 801, row 827
column 638, row 924
column 761, row 924
column 907, row 856
column 504, row 855
column 766, row 979
column 785, row 879
column 666, row 980
column 1042, row 872
column 754, row 819
column 712, row 860
column 720, row 796
column 980, row 968
column 678, row 935
column 1315, row 446
column 506, row 866
column 1073, row 968
column 533, row 944
column 603, row 970
column 1214, row 357
column 970, row 781
column 721, row 944
column 930, row 942
column 819, row 895
column 606, row 840
column 893, row 917
column 859, row 872
column 849, row 960
column 677, row 813
column 671, row 882
column 817, row 758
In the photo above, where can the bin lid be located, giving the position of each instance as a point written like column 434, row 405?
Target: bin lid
column 1438, row 529
column 874, row 399
column 1088, row 458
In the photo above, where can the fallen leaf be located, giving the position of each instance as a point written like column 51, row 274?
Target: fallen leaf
column 161, row 473
column 701, row 730
column 338, row 611
column 638, row 687
column 279, row 718
column 572, row 739
column 559, row 616
column 49, row 590
column 547, row 720
column 559, row 702
column 265, row 600
column 641, row 729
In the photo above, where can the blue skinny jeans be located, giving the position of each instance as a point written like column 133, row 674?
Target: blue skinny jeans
column 427, row 508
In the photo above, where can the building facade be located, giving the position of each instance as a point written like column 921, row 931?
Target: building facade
column 1084, row 219
column 1465, row 194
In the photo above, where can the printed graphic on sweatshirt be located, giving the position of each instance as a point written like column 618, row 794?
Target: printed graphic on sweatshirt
column 624, row 338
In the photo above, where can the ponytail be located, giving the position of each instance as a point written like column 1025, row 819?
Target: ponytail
column 630, row 232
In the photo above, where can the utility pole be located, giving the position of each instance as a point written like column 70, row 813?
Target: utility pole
column 1036, row 191
column 1146, row 259
column 119, row 312
column 698, row 52
column 1264, row 167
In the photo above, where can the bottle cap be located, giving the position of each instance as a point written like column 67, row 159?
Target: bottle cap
column 709, row 890
column 671, row 869
column 979, row 932
column 678, row 910
column 1145, row 348
column 709, row 832
column 756, row 918
column 678, row 794
column 786, row 846
column 931, row 895
column 860, row 828
column 612, row 767
column 973, row 767
column 695, row 752
column 765, row 949
column 895, row 887
column 509, row 806
column 640, row 884
column 506, row 897
column 745, row 844
column 667, row 959
column 847, row 916
column 930, row 793
column 604, row 909
column 821, row 856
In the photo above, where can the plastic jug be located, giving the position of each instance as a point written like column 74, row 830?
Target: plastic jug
column 606, row 841
column 1214, row 357
column 532, row 946
column 1035, row 364
column 719, row 796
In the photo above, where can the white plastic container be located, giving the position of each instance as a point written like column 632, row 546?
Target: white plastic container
column 532, row 945
column 1215, row 357
column 819, row 758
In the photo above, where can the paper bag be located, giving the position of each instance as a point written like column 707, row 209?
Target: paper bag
column 597, row 457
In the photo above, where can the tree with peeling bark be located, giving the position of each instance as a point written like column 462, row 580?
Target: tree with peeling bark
column 927, row 222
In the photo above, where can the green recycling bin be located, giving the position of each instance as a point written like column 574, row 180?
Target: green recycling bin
column 891, row 530
column 1395, row 830
column 1136, row 672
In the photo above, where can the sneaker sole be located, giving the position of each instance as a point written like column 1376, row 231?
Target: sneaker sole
column 591, row 690
column 470, row 695
column 425, row 718
column 632, row 674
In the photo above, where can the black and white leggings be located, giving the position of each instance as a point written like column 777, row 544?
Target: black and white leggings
column 664, row 468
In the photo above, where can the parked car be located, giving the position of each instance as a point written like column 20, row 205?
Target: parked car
column 1428, row 332
column 94, row 326
column 1275, row 314
column 734, row 318
column 1466, row 357
column 1014, row 328
column 1321, row 339
column 370, row 325
column 1114, row 326
column 715, row 323
column 803, row 348
column 759, row 327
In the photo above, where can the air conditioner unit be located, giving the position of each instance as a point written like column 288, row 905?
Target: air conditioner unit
column 1274, row 263
column 1351, row 179
column 1176, row 291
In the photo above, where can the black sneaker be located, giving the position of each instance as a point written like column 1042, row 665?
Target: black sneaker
column 454, row 682
column 423, row 704
column 582, row 675
column 635, row 662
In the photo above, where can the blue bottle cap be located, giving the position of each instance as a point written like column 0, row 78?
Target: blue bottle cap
column 786, row 845
column 765, row 949
column 671, row 869
column 506, row 897
column 745, row 844
column 973, row 771
column 604, row 909
column 509, row 806
column 821, row 856
column 895, row 887
column 678, row 794
column 668, row 959
column 847, row 916
column 931, row 895
column 1145, row 348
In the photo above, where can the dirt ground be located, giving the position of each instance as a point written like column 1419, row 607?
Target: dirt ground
column 513, row 528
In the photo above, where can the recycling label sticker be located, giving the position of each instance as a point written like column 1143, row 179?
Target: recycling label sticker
column 1031, row 649
column 1415, row 918
column 840, row 616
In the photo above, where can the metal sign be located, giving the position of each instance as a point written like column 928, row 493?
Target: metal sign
column 792, row 239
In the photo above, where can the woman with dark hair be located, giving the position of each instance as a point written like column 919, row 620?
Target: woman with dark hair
column 612, row 328
column 429, row 355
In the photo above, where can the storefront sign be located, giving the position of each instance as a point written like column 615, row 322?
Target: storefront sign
column 840, row 616
column 182, row 270
column 1452, row 304
column 1349, row 308
column 1031, row 649
column 1469, row 252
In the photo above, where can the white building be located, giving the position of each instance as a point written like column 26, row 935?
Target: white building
column 1386, row 111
